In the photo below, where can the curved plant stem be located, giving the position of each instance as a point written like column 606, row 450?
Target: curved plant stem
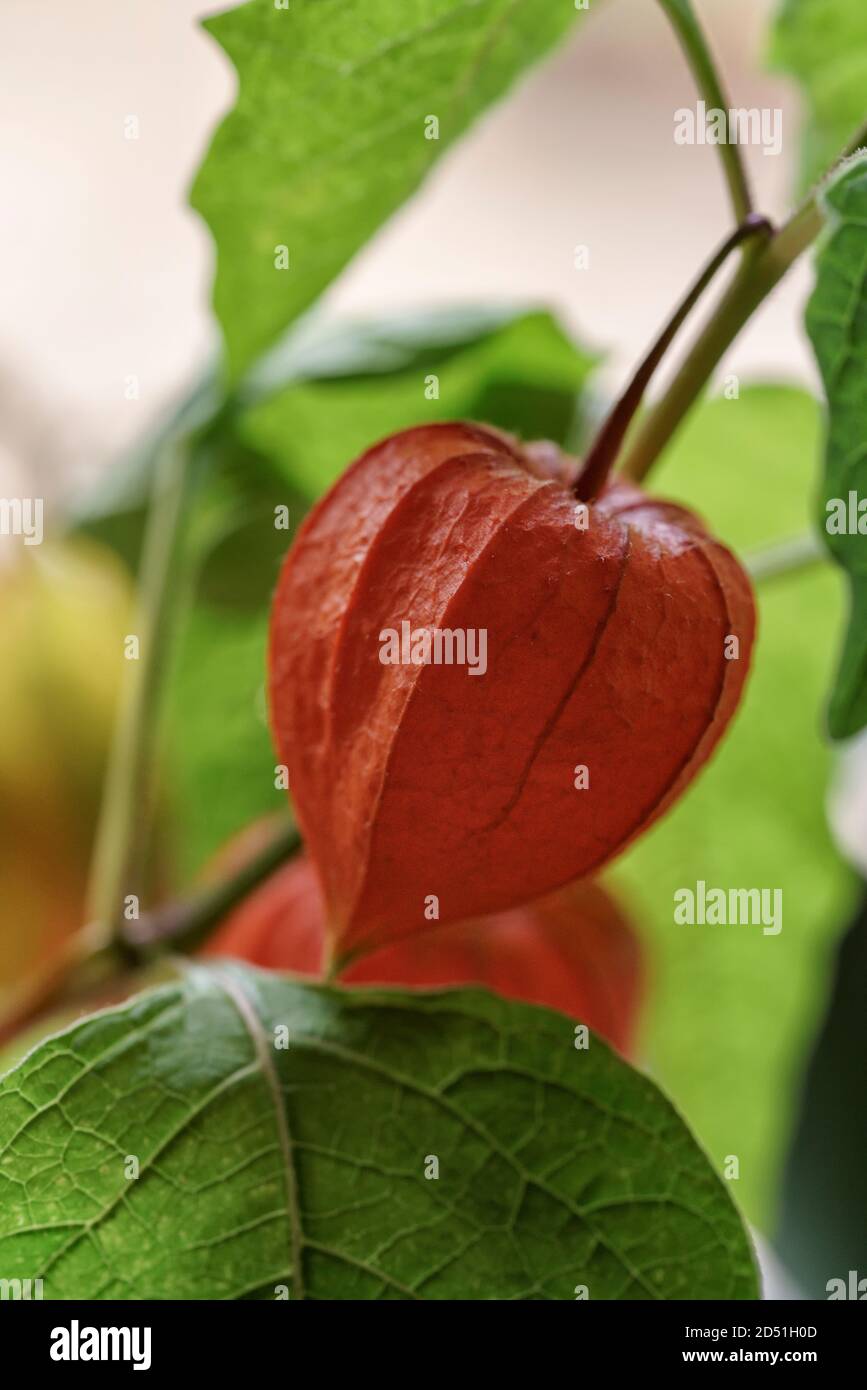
column 755, row 278
column 125, row 817
column 87, row 959
column 182, row 926
column 603, row 450
column 753, row 281
column 692, row 40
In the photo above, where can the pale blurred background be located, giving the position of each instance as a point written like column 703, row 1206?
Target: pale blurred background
column 106, row 272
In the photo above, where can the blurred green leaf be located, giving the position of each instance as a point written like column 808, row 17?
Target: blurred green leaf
column 519, row 373
column 220, row 755
column 530, row 373
column 837, row 325
column 114, row 511
column 233, row 544
column 331, row 133
column 823, row 1224
column 260, row 1165
column 733, row 1013
column 65, row 608
column 319, row 346
column 823, row 43
column 242, row 525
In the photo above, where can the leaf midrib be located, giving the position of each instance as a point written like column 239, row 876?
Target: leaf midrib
column 262, row 1047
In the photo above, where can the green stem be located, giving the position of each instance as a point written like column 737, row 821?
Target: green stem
column 184, row 926
column 752, row 283
column 755, row 278
column 125, row 817
column 786, row 557
column 603, row 450
column 694, row 44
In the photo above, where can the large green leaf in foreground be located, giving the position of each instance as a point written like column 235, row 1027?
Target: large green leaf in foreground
column 837, row 324
column 304, row 1165
column 734, row 1012
column 330, row 133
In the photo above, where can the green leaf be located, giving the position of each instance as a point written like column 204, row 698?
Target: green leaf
column 348, row 385
column 319, row 346
column 734, row 1012
column 823, row 43
column 822, row 1224
column 219, row 770
column 509, row 364
column 837, row 325
column 221, row 756
column 328, row 136
column 519, row 372
column 235, row 540
column 303, row 1164
column 114, row 511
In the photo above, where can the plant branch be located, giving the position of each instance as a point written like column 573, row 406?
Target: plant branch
column 125, row 816
column 603, row 451
column 755, row 278
column 786, row 557
column 698, row 55
column 183, row 926
column 82, row 961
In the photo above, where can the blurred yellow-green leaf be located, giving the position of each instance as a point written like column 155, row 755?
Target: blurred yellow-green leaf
column 64, row 611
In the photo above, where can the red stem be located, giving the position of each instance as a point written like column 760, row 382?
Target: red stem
column 606, row 446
